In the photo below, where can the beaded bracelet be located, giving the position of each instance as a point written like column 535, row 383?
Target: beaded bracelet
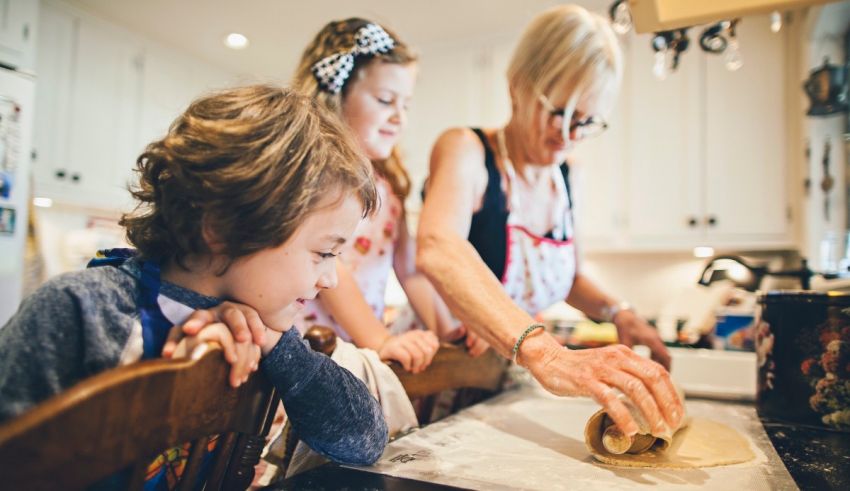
column 522, row 337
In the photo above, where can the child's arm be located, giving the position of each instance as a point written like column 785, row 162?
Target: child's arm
column 413, row 349
column 331, row 410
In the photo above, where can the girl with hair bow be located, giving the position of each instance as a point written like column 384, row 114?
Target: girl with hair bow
column 366, row 75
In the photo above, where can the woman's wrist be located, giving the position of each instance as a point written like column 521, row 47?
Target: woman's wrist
column 536, row 349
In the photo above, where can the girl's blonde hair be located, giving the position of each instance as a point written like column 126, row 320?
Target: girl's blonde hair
column 565, row 51
column 338, row 36
column 251, row 163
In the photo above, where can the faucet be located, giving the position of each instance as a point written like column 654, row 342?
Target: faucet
column 747, row 276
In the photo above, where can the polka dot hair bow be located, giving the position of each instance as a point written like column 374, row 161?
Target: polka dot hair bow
column 332, row 71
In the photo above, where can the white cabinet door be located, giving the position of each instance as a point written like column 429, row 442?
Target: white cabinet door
column 88, row 109
column 106, row 101
column 53, row 99
column 18, row 21
column 745, row 132
column 663, row 157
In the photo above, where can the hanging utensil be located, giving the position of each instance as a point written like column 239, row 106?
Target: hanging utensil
column 828, row 181
column 807, row 183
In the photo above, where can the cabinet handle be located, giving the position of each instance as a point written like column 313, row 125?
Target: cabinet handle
column 711, row 221
column 34, row 154
column 692, row 222
column 76, row 177
column 26, row 32
column 60, row 174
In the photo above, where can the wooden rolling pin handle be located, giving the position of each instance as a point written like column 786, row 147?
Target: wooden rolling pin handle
column 618, row 443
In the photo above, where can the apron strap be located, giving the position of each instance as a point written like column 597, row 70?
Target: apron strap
column 155, row 325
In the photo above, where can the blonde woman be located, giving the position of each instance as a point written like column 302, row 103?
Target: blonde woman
column 366, row 74
column 496, row 234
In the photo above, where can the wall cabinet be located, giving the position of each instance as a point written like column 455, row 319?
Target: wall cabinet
column 103, row 94
column 705, row 160
column 18, row 21
column 88, row 107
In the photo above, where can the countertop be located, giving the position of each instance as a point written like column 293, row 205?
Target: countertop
column 814, row 458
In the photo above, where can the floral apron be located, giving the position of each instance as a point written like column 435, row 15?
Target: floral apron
column 539, row 271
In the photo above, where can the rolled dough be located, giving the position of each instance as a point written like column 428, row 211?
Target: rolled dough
column 699, row 443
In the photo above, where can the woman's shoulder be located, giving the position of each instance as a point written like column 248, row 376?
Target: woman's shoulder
column 461, row 146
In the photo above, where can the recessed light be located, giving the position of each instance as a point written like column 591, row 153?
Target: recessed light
column 703, row 251
column 42, row 202
column 234, row 40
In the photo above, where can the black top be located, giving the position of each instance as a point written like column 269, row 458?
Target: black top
column 487, row 232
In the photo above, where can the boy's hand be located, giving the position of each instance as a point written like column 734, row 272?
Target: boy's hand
column 243, row 321
column 242, row 325
column 244, row 357
column 413, row 349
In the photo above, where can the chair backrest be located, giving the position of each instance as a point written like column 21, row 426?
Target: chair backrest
column 121, row 419
column 452, row 368
column 453, row 373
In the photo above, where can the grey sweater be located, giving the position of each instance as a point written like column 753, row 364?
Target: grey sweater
column 82, row 323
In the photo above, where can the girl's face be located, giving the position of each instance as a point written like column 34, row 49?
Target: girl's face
column 277, row 281
column 375, row 106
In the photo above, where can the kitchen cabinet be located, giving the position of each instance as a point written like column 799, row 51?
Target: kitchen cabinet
column 88, row 108
column 705, row 161
column 103, row 94
column 18, row 21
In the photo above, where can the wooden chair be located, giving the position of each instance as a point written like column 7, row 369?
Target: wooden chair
column 451, row 369
column 120, row 420
column 473, row 379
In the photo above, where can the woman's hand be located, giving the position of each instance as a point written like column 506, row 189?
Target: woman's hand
column 600, row 373
column 233, row 326
column 413, row 349
column 632, row 330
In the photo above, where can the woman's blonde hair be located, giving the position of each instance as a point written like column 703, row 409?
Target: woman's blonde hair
column 338, row 36
column 249, row 163
column 565, row 51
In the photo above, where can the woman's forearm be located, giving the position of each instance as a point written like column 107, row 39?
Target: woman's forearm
column 587, row 297
column 469, row 289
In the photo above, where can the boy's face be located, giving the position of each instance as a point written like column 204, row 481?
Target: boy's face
column 277, row 281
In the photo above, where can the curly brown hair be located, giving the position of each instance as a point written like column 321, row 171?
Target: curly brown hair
column 338, row 36
column 248, row 163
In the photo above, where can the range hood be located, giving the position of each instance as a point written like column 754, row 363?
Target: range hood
column 663, row 15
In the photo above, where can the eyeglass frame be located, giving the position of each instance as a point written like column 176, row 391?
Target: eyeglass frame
column 555, row 112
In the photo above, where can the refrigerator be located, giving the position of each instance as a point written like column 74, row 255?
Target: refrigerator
column 17, row 93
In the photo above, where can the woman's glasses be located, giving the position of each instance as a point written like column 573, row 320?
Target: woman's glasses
column 585, row 128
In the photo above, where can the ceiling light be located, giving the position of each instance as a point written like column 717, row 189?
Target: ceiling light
column 42, row 202
column 703, row 251
column 234, row 40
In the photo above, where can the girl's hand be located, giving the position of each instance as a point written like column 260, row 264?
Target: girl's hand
column 413, row 349
column 243, row 356
column 600, row 373
column 475, row 344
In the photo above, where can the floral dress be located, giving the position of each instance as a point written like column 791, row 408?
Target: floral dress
column 369, row 257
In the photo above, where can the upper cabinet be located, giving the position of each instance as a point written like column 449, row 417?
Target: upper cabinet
column 103, row 93
column 705, row 160
column 87, row 109
column 18, row 21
